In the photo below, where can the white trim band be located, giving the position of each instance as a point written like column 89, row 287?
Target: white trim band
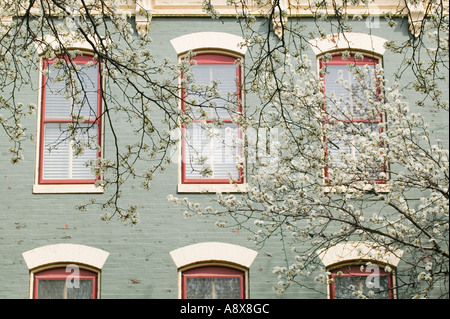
column 213, row 251
column 348, row 41
column 65, row 253
column 208, row 40
column 359, row 250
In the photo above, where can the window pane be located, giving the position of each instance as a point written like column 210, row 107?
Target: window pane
column 59, row 102
column 347, row 142
column 339, row 110
column 340, row 145
column 61, row 160
column 204, row 75
column 84, row 291
column 56, row 152
column 88, row 82
column 225, row 151
column 198, row 152
column 211, row 150
column 354, row 104
column 57, row 289
column 345, row 286
column 51, row 289
column 213, row 288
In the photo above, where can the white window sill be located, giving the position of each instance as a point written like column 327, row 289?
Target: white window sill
column 212, row 188
column 379, row 188
column 66, row 188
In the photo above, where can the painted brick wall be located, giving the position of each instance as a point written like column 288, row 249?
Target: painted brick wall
column 139, row 265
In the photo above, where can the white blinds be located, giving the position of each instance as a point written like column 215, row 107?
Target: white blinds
column 67, row 154
column 59, row 104
column 61, row 160
column 211, row 152
column 204, row 75
column 350, row 120
column 353, row 104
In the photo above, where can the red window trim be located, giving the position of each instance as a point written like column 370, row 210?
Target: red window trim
column 78, row 60
column 212, row 272
column 355, row 271
column 222, row 60
column 339, row 60
column 61, row 274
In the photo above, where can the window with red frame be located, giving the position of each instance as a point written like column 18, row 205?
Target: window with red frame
column 210, row 144
column 350, row 282
column 65, row 283
column 213, row 283
column 70, row 129
column 350, row 114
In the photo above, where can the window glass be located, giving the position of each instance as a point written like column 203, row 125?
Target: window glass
column 210, row 143
column 70, row 130
column 59, row 105
column 213, row 288
column 61, row 160
column 225, row 77
column 346, row 286
column 68, row 282
column 343, row 84
column 211, row 153
column 58, row 289
column 351, row 119
column 213, row 283
column 356, row 281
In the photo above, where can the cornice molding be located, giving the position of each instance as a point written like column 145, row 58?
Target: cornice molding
column 144, row 10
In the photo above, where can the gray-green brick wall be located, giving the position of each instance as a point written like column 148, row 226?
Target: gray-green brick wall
column 139, row 265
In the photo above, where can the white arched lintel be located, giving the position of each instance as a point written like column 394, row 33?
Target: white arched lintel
column 349, row 41
column 55, row 44
column 213, row 252
column 359, row 250
column 208, row 40
column 65, row 253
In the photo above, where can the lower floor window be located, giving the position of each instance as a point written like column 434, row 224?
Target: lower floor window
column 213, row 283
column 359, row 281
column 68, row 282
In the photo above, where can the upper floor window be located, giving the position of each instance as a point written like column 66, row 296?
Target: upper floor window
column 352, row 117
column 210, row 145
column 70, row 127
column 361, row 281
column 68, row 282
column 213, row 282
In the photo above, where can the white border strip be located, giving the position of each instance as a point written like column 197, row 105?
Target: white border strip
column 359, row 250
column 208, row 40
column 213, row 252
column 65, row 253
column 348, row 41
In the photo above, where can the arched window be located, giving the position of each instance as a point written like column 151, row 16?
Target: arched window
column 213, row 282
column 70, row 128
column 210, row 154
column 361, row 269
column 211, row 159
column 213, row 270
column 69, row 282
column 65, row 271
column 360, row 281
column 351, row 115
